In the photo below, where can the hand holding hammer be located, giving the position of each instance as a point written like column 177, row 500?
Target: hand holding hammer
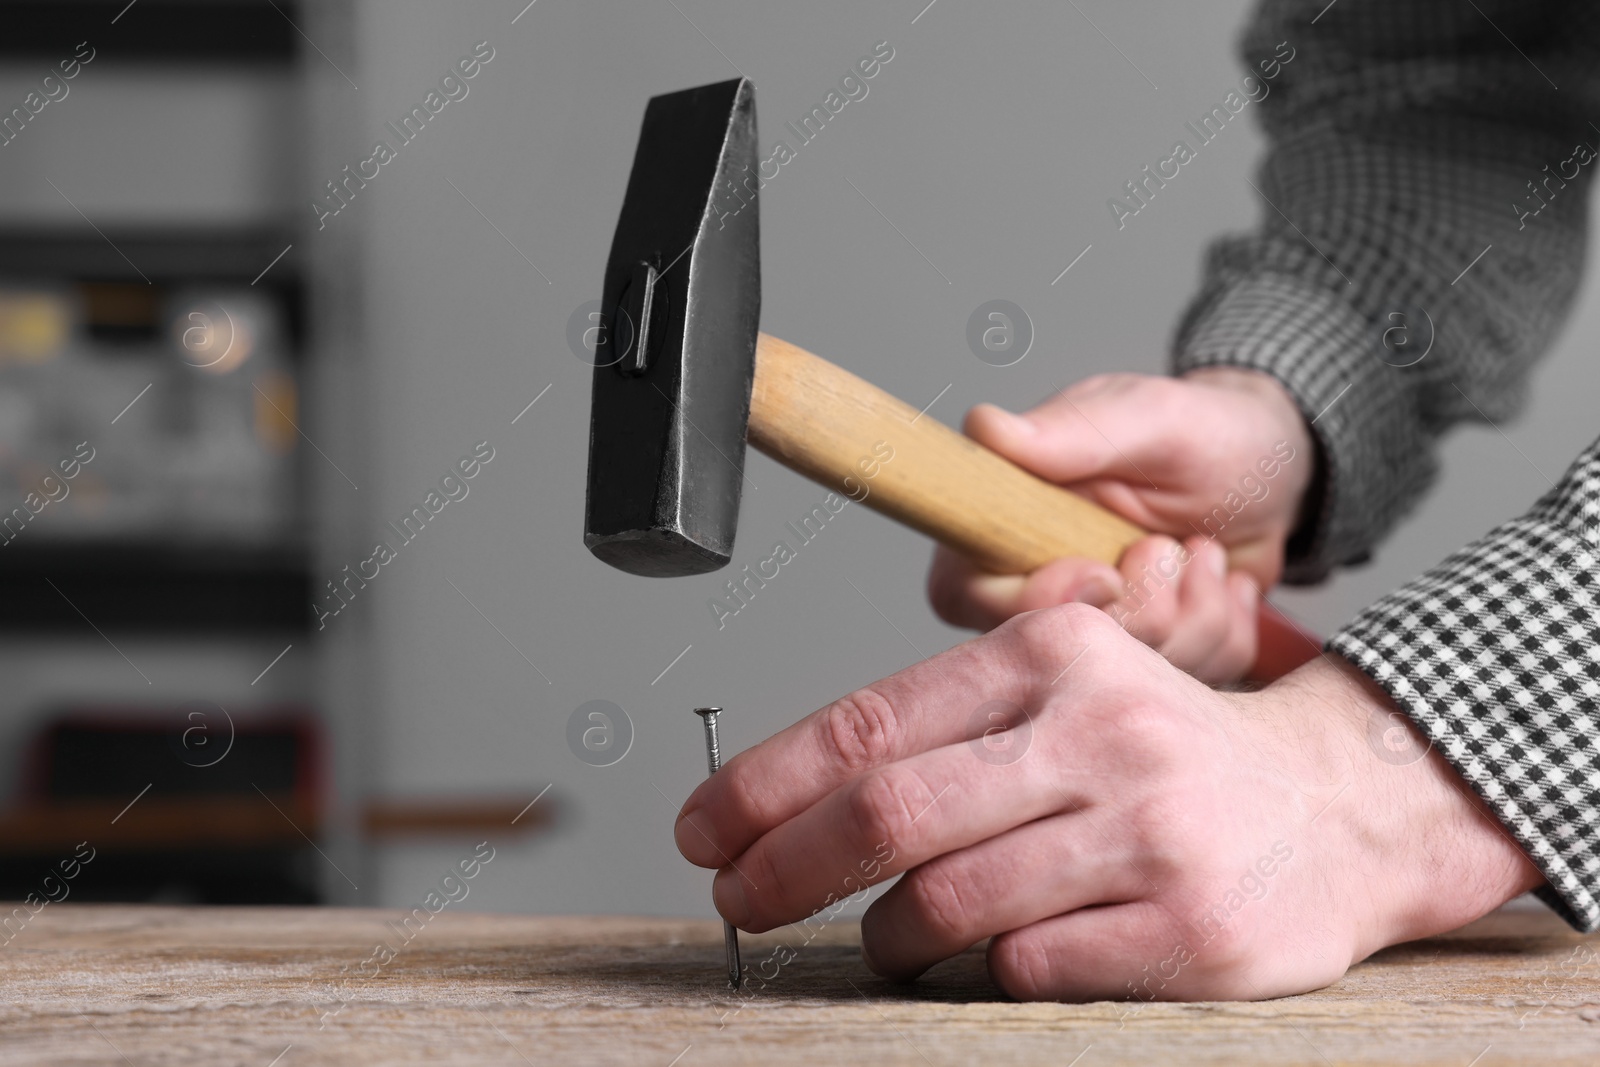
column 683, row 378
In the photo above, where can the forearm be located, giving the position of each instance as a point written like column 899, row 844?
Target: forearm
column 1402, row 135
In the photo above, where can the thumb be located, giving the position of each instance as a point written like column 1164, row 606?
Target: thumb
column 1054, row 441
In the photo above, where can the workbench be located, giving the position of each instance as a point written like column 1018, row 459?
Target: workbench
column 126, row 985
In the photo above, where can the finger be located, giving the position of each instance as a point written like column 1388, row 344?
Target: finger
column 1230, row 662
column 1148, row 608
column 928, row 705
column 1045, row 868
column 915, row 809
column 965, row 595
column 1204, row 608
column 1135, row 952
column 1116, row 953
column 1072, row 580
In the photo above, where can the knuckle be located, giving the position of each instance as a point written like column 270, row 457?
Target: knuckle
column 939, row 904
column 860, row 730
column 743, row 800
column 884, row 805
column 1043, row 634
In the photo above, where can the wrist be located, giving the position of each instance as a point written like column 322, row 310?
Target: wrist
column 1416, row 851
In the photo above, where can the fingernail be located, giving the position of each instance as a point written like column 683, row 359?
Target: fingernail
column 694, row 839
column 1217, row 559
column 728, row 895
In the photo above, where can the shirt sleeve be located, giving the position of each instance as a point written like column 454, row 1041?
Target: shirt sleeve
column 1424, row 194
column 1495, row 654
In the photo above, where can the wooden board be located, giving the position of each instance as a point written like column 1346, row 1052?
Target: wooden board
column 119, row 985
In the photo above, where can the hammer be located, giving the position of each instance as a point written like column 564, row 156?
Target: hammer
column 682, row 375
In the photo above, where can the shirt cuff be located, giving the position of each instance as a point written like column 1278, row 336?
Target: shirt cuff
column 1495, row 655
column 1374, row 457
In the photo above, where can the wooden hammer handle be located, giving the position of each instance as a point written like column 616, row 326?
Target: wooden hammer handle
column 825, row 423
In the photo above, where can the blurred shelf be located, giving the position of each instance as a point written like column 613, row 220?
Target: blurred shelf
column 233, row 820
column 192, row 32
column 166, row 255
column 456, row 816
column 172, row 589
column 223, row 820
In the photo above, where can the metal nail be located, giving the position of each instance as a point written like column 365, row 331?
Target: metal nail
column 714, row 762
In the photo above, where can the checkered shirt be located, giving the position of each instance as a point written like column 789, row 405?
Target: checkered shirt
column 1425, row 195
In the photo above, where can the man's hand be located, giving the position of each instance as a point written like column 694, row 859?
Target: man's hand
column 1219, row 459
column 1117, row 828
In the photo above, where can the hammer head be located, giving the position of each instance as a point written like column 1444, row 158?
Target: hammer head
column 676, row 354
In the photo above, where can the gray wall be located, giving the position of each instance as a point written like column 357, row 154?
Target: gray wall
column 991, row 141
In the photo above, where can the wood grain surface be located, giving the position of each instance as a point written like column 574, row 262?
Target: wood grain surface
column 120, row 985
